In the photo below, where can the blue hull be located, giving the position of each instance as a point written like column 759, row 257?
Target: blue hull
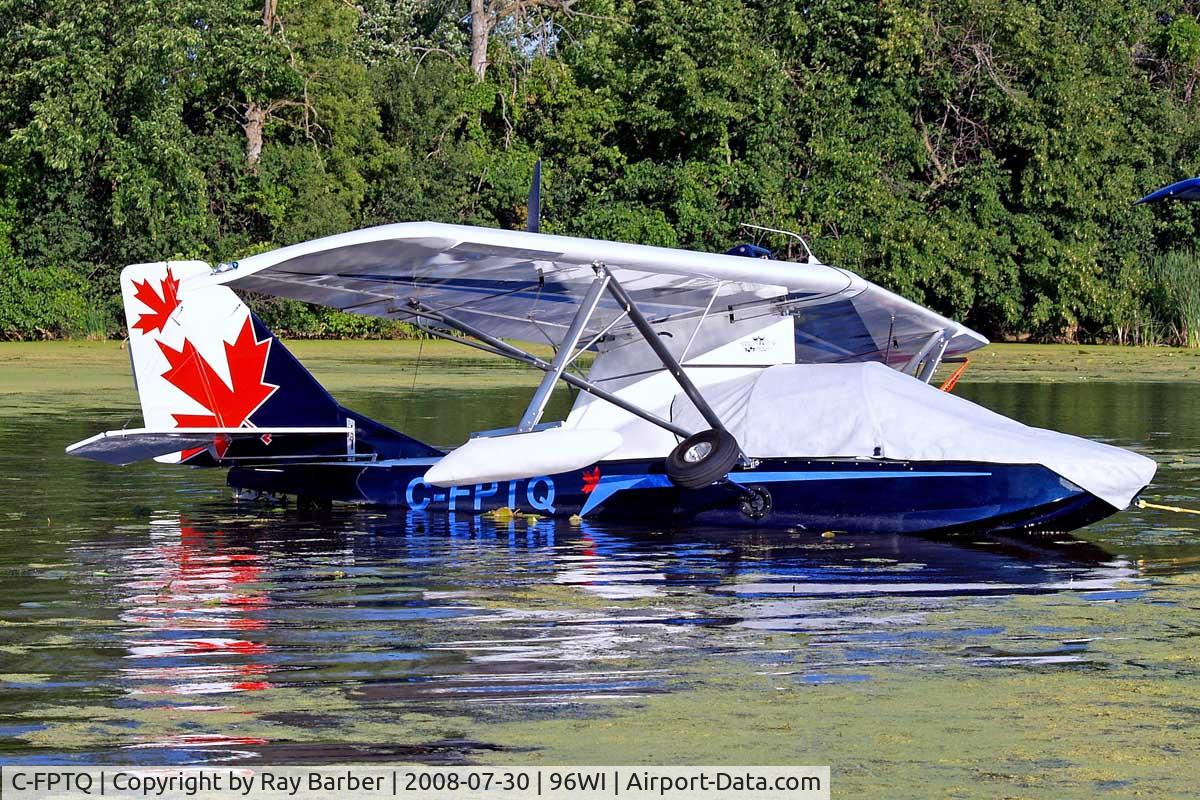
column 851, row 496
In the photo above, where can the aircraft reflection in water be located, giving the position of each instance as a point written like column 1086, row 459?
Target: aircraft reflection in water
column 192, row 606
column 436, row 612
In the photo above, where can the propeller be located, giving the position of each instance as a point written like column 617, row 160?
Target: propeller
column 535, row 198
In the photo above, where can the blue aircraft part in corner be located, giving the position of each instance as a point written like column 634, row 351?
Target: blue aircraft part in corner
column 1187, row 190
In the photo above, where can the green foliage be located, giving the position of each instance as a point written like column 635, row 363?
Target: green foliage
column 1174, row 289
column 42, row 303
column 1181, row 40
column 979, row 156
column 304, row 321
column 46, row 303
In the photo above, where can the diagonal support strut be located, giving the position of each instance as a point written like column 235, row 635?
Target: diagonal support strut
column 562, row 359
column 656, row 344
column 492, row 344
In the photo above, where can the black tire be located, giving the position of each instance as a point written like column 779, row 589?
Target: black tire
column 690, row 467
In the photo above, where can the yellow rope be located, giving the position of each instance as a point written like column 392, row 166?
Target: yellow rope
column 1144, row 504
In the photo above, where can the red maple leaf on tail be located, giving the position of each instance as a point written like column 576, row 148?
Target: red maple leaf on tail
column 232, row 405
column 161, row 306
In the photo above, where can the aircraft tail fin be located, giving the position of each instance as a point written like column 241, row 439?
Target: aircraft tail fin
column 202, row 359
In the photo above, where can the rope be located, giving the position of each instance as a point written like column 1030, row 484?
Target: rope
column 412, row 391
column 1144, row 504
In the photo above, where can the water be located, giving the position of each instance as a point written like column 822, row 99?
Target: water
column 149, row 619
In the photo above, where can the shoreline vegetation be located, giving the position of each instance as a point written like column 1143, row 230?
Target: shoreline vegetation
column 80, row 368
column 981, row 158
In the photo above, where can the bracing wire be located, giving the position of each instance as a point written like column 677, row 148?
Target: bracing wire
column 412, row 390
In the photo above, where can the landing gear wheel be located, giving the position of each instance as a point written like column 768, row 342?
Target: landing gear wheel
column 756, row 503
column 702, row 459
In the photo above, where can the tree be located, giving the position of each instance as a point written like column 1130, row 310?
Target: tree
column 489, row 15
column 978, row 156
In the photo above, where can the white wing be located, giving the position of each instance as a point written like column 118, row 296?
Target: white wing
column 519, row 285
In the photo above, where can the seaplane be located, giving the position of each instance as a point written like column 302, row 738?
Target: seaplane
column 714, row 388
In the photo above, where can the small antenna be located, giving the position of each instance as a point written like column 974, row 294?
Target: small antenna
column 812, row 259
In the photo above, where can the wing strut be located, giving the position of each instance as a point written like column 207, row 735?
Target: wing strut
column 664, row 355
column 500, row 347
column 931, row 354
column 564, row 356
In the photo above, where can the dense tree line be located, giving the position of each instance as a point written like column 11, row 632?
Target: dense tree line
column 980, row 156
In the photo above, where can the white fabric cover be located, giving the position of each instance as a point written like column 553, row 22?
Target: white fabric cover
column 868, row 410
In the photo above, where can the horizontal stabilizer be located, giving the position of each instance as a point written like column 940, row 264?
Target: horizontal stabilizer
column 225, row 444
